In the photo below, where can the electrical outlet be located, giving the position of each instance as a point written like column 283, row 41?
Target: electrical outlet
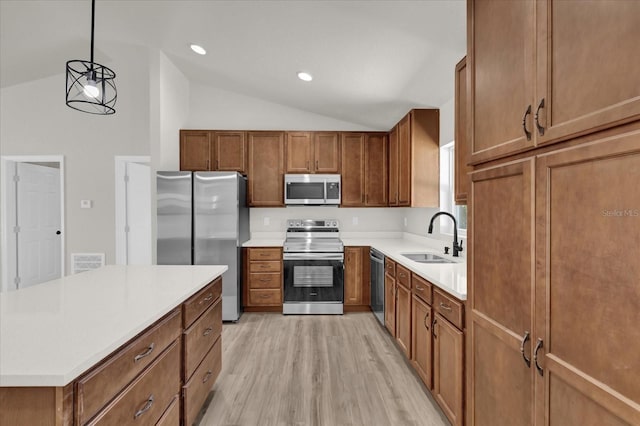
column 354, row 220
column 86, row 204
column 405, row 222
column 266, row 221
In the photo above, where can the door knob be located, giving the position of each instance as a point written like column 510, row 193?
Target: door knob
column 58, row 232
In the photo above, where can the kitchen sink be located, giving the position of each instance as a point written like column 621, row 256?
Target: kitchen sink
column 426, row 258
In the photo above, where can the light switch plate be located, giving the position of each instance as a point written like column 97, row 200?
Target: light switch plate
column 86, row 204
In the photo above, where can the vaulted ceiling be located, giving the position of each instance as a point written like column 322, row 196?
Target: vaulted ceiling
column 371, row 60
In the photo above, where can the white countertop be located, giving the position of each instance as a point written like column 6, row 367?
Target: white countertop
column 53, row 332
column 450, row 277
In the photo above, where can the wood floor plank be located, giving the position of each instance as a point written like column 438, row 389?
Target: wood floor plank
column 318, row 371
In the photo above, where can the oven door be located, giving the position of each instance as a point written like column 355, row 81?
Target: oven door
column 313, row 277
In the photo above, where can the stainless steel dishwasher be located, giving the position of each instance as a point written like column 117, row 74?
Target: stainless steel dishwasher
column 377, row 284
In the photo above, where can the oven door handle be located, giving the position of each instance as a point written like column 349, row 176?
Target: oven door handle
column 313, row 256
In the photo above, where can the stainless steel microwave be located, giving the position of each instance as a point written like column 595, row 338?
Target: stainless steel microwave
column 312, row 190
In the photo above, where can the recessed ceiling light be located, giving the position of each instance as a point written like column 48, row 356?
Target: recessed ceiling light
column 305, row 76
column 198, row 49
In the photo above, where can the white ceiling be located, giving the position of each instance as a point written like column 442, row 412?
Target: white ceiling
column 372, row 61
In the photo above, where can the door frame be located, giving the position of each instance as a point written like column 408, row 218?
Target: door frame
column 9, row 268
column 121, row 202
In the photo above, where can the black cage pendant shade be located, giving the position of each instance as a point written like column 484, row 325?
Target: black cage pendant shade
column 91, row 87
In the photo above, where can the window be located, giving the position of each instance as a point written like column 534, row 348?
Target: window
column 447, row 193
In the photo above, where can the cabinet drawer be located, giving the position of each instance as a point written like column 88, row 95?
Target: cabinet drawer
column 198, row 303
column 265, row 297
column 389, row 267
column 449, row 308
column 199, row 338
column 196, row 390
column 171, row 416
column 270, row 266
column 421, row 288
column 265, row 254
column 271, row 280
column 145, row 400
column 97, row 388
column 403, row 276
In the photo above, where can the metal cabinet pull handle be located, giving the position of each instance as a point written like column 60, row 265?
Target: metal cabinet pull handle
column 207, row 376
column 307, row 164
column 264, row 280
column 207, row 331
column 206, row 299
column 146, row 353
column 524, row 123
column 538, row 125
column 147, row 406
column 426, row 324
column 445, row 307
column 317, row 166
column 535, row 357
column 218, row 164
column 208, row 167
column 419, row 288
column 524, row 340
column 433, row 328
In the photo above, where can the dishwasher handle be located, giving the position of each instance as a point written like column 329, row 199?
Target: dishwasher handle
column 376, row 256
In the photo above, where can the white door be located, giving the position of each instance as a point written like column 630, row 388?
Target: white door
column 39, row 224
column 138, row 214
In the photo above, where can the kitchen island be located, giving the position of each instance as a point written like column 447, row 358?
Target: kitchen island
column 81, row 348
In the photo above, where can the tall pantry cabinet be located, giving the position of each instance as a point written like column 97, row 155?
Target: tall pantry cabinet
column 554, row 213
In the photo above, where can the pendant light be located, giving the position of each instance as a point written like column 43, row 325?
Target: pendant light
column 91, row 87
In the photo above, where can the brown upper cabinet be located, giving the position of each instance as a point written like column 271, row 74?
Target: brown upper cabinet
column 414, row 153
column 266, row 169
column 461, row 179
column 313, row 152
column 364, row 169
column 546, row 71
column 213, row 150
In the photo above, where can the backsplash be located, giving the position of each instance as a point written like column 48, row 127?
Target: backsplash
column 273, row 221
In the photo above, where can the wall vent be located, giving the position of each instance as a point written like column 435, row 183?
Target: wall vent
column 81, row 262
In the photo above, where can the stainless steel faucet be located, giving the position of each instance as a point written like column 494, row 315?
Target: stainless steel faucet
column 457, row 248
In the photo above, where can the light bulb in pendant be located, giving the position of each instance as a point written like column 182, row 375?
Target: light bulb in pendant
column 90, row 88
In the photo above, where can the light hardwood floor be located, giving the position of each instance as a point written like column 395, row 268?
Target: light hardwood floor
column 315, row 370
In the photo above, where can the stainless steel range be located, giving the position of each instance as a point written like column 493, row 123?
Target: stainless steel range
column 313, row 267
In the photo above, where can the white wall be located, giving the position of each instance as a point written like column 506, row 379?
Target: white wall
column 447, row 120
column 34, row 120
column 214, row 108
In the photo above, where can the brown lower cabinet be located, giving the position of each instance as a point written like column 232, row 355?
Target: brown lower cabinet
column 356, row 278
column 262, row 283
column 428, row 325
column 448, row 367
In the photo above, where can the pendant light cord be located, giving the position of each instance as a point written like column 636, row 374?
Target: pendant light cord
column 93, row 20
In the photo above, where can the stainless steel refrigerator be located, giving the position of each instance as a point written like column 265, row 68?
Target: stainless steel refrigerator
column 203, row 219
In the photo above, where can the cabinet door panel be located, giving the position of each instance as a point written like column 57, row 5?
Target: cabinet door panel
column 230, row 151
column 299, row 152
column 588, row 61
column 195, row 150
column 461, row 179
column 403, row 319
column 447, row 369
column 375, row 166
column 421, row 354
column 326, row 152
column 588, row 204
column 353, row 276
column 499, row 300
column 501, row 61
column 352, row 169
column 393, row 166
column 266, row 169
column 390, row 304
column 404, row 161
